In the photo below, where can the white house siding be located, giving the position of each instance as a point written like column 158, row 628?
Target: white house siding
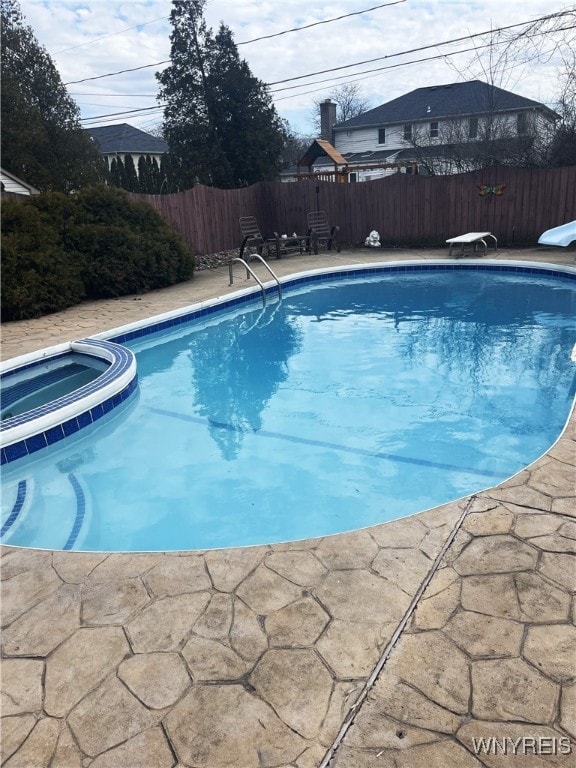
column 357, row 140
column 13, row 185
column 365, row 140
column 373, row 173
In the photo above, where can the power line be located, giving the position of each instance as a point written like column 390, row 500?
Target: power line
column 317, row 23
column 245, row 42
column 356, row 79
column 356, row 64
column 421, row 48
column 370, row 72
column 114, row 95
column 120, row 72
column 359, row 76
column 125, row 112
column 112, row 34
column 401, row 64
column 158, row 108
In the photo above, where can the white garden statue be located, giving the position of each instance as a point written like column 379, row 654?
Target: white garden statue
column 373, row 239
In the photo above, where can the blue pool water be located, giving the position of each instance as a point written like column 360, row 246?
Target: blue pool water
column 349, row 403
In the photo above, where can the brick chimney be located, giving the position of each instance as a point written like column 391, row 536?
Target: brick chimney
column 327, row 119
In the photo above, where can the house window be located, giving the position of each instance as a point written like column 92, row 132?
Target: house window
column 522, row 123
column 434, row 130
column 381, row 135
column 408, row 132
column 352, row 177
column 473, row 128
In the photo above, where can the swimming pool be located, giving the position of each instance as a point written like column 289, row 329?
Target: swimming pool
column 359, row 398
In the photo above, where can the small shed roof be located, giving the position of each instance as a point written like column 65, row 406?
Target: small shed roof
column 319, row 148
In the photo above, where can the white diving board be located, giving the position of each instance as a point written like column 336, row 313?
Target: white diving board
column 472, row 238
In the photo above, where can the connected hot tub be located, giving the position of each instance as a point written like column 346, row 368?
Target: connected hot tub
column 46, row 399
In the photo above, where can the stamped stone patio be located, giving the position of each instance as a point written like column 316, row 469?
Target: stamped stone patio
column 398, row 646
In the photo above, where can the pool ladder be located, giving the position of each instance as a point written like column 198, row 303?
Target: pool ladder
column 250, row 271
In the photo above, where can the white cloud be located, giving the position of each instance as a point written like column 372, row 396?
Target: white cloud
column 99, row 36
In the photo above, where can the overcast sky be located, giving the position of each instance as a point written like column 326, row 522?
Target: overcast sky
column 96, row 37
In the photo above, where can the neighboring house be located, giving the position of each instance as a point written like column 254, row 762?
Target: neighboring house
column 439, row 129
column 12, row 185
column 122, row 140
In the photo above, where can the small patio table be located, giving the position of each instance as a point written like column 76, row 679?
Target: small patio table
column 291, row 243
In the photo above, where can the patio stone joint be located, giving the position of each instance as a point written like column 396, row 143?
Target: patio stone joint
column 355, row 708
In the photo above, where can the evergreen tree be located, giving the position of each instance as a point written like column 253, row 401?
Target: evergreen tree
column 167, row 176
column 144, row 175
column 129, row 176
column 221, row 126
column 114, row 174
column 156, row 176
column 149, row 179
column 42, row 140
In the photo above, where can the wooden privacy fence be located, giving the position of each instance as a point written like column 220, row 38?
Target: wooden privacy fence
column 516, row 204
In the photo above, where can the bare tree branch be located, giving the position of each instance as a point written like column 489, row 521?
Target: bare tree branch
column 349, row 99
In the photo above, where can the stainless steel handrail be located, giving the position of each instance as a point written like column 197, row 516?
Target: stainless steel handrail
column 249, row 272
column 269, row 268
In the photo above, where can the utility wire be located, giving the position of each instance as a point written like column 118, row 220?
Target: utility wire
column 356, row 64
column 317, row 23
column 120, row 72
column 159, row 108
column 125, row 112
column 380, row 69
column 283, row 98
column 244, row 42
column 112, row 34
column 402, row 64
column 421, row 48
column 358, row 76
column 115, row 95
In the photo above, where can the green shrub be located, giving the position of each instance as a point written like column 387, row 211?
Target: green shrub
column 129, row 246
column 38, row 276
column 59, row 249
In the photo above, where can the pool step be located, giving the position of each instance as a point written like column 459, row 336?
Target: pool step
column 59, row 505
column 14, row 507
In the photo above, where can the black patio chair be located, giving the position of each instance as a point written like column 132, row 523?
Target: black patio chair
column 319, row 231
column 253, row 238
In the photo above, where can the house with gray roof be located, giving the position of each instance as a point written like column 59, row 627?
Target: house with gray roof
column 122, row 140
column 439, row 129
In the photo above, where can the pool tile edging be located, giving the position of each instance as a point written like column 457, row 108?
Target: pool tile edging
column 167, row 320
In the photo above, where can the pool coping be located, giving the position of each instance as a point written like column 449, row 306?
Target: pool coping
column 54, row 601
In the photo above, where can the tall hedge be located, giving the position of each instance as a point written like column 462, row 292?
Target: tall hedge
column 58, row 250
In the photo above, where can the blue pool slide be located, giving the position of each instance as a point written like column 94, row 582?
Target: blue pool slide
column 563, row 235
